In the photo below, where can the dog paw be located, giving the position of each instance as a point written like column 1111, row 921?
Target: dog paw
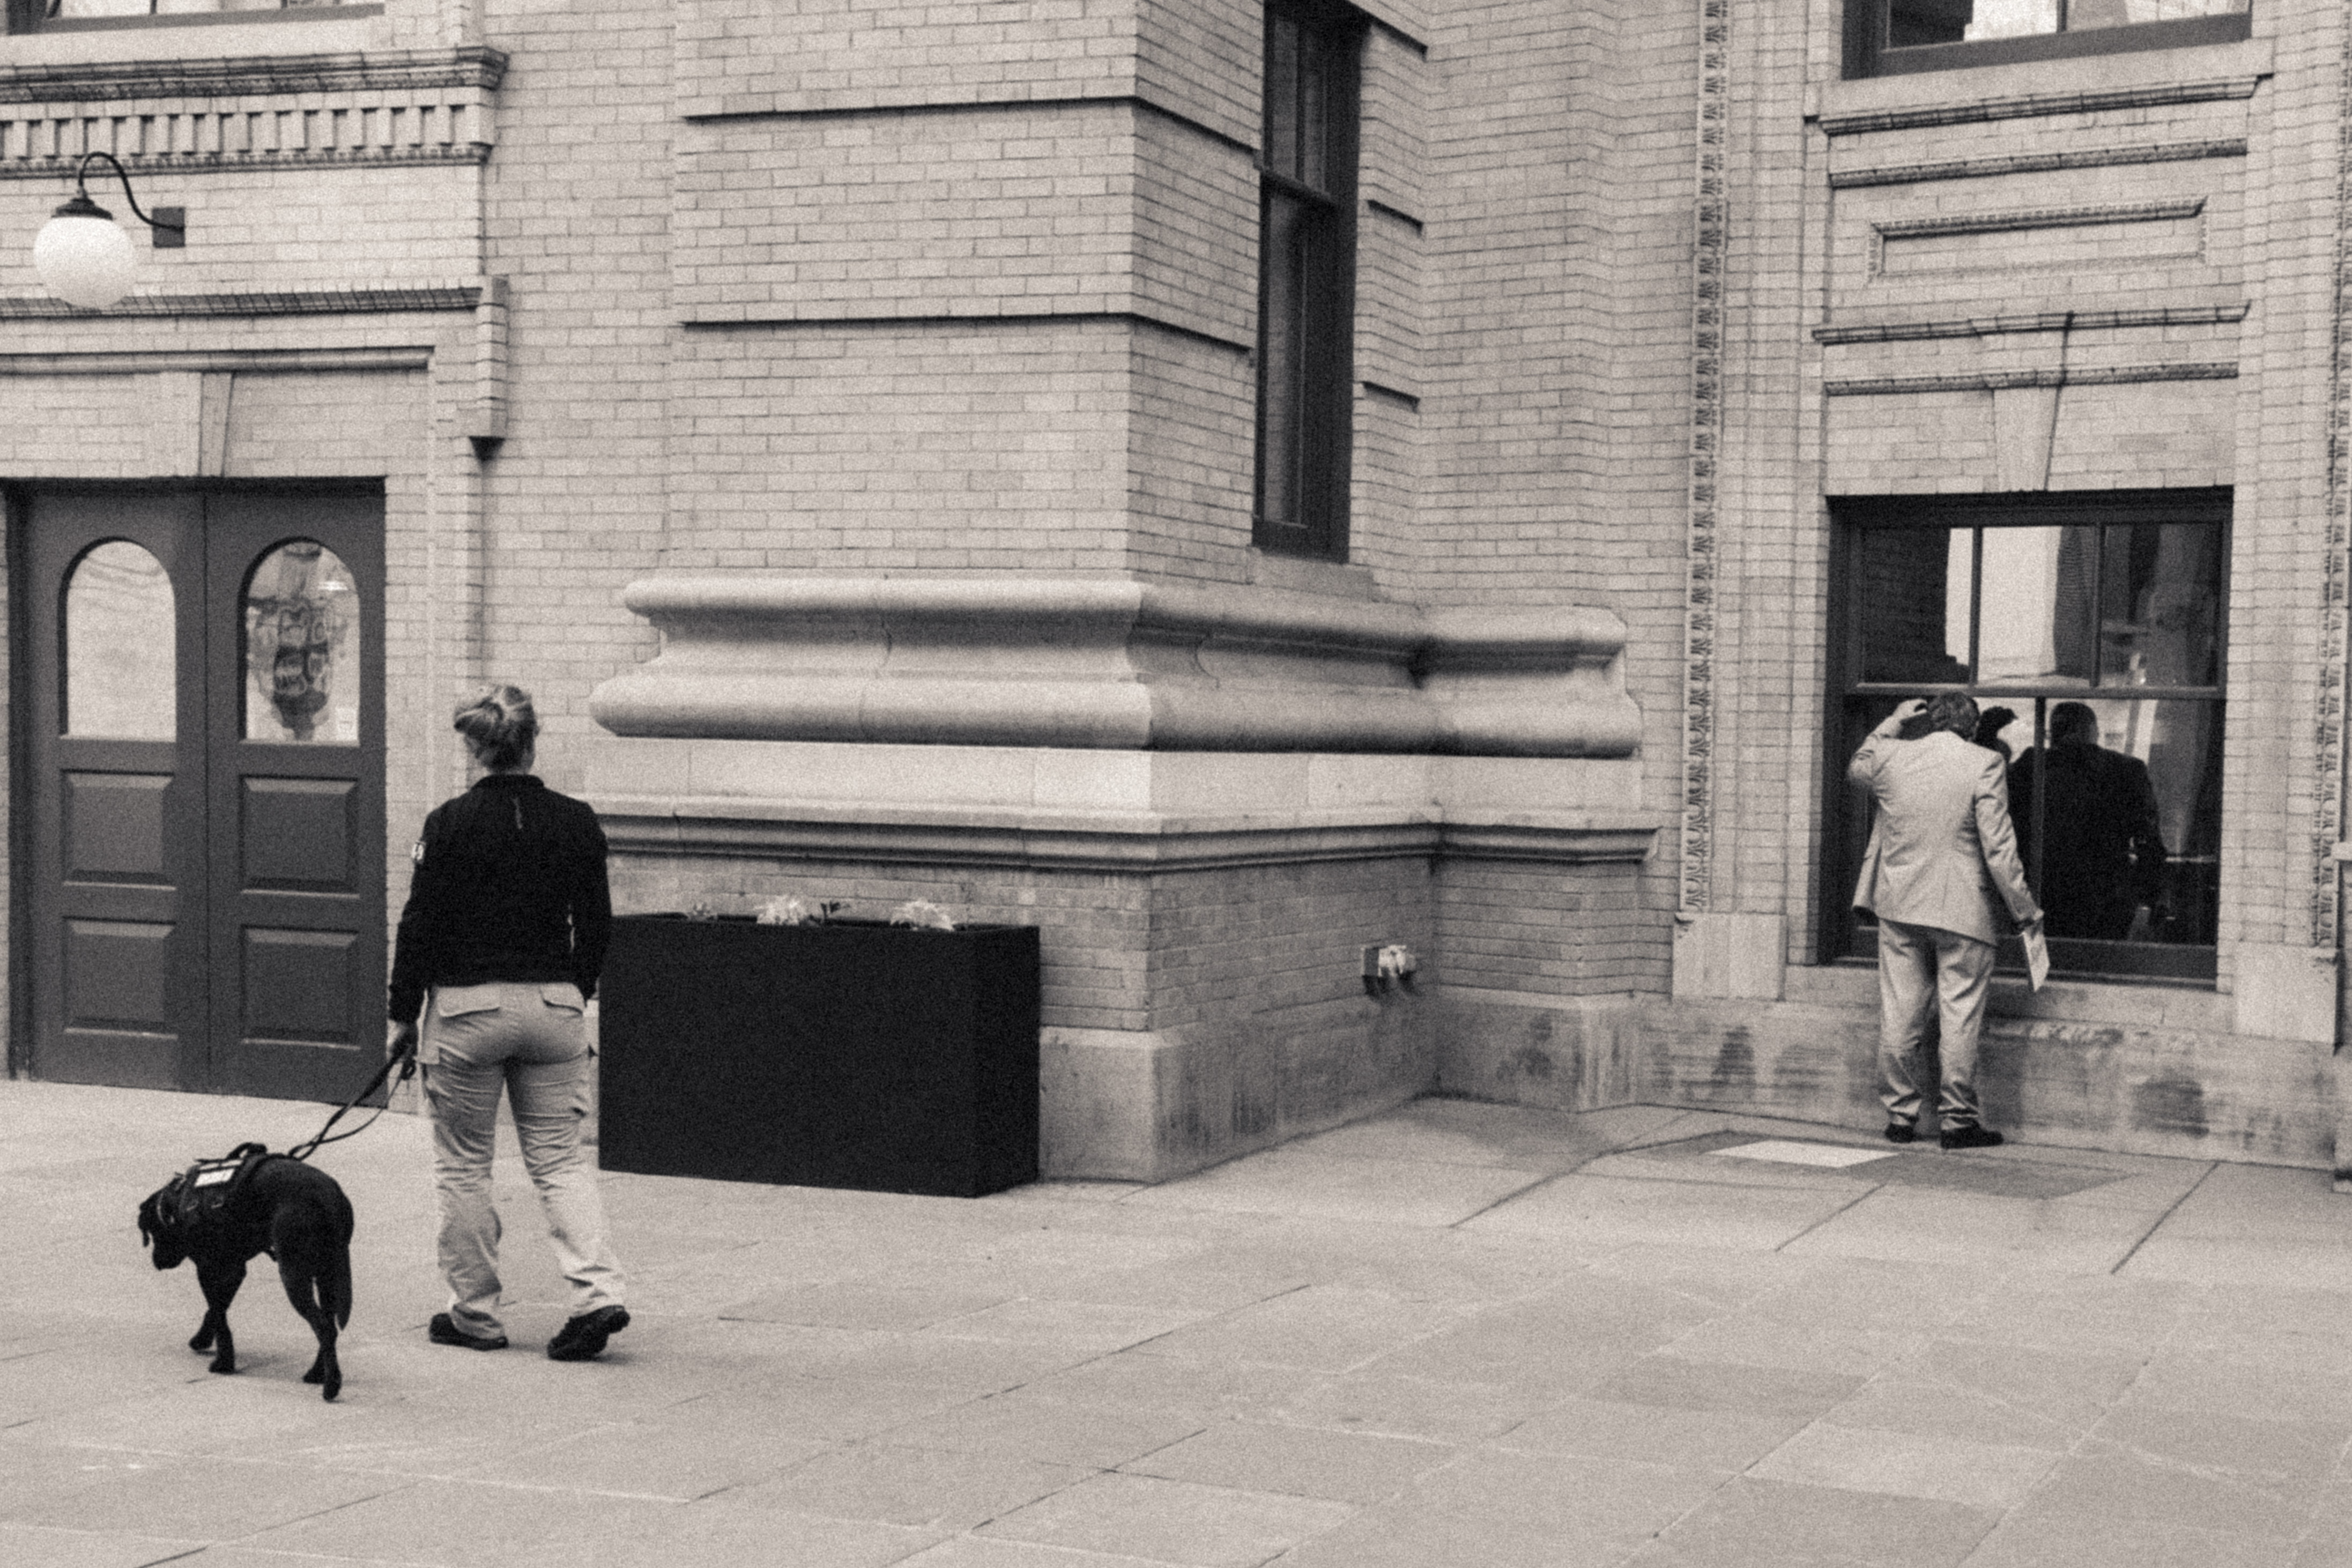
column 200, row 1344
column 223, row 1367
column 316, row 1374
column 334, row 1385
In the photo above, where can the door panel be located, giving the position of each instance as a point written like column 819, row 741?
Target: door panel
column 206, row 892
column 116, row 894
column 294, row 594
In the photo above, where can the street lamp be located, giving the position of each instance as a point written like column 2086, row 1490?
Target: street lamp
column 80, row 253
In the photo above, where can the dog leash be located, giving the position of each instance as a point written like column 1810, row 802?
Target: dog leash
column 405, row 1059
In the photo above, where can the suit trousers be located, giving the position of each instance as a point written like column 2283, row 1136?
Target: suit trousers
column 1927, row 972
column 529, row 1041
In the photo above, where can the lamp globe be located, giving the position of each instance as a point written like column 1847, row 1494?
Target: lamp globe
column 83, row 256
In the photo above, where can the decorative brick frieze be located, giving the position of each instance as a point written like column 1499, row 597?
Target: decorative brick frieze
column 2037, row 163
column 1711, row 220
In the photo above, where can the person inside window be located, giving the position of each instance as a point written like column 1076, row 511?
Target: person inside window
column 2101, row 851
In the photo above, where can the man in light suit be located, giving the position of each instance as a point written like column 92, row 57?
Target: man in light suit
column 1942, row 848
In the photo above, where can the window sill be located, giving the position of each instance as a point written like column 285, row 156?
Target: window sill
column 340, row 30
column 1843, row 107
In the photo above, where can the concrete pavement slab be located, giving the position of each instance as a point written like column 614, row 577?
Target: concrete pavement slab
column 1298, row 1461
column 1169, row 1521
column 1945, row 1366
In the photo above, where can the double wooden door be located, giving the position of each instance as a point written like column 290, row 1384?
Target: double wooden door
column 202, row 713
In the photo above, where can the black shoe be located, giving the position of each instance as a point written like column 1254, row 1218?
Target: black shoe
column 441, row 1330
column 1971, row 1138
column 582, row 1338
column 1900, row 1132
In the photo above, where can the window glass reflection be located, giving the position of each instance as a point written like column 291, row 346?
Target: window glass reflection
column 121, row 678
column 67, row 10
column 1916, row 22
column 1916, row 588
column 2119, row 818
column 2035, row 620
column 302, row 648
column 2160, row 606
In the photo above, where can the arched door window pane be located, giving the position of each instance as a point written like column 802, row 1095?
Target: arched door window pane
column 122, row 682
column 302, row 648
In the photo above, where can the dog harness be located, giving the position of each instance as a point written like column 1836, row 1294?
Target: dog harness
column 197, row 1200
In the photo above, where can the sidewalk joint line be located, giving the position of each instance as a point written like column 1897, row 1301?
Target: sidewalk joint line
column 1515, row 1191
column 1824, row 1219
column 2211, row 1165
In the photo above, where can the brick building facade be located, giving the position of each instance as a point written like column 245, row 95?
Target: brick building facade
column 851, row 423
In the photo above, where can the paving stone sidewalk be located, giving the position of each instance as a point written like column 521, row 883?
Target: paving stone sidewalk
column 1455, row 1336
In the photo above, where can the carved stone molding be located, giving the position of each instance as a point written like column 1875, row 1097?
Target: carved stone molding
column 217, row 361
column 257, row 76
column 1139, row 843
column 2034, row 105
column 2037, row 163
column 2022, row 218
column 278, row 302
column 2037, row 321
column 1094, row 664
column 2001, row 380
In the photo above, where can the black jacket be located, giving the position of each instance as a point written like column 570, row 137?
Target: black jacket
column 509, row 886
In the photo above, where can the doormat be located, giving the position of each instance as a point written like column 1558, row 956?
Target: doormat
column 1794, row 1154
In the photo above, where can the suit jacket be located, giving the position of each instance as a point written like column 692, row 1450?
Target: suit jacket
column 1943, row 846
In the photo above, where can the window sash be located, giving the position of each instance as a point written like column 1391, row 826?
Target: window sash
column 2137, row 591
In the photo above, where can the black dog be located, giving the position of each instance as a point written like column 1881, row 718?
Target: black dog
column 271, row 1204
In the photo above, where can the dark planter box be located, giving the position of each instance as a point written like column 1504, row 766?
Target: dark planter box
column 854, row 1054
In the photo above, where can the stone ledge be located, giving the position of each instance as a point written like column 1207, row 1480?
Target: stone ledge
column 1139, row 842
column 1116, row 664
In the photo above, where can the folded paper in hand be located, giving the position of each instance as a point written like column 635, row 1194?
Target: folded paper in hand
column 2037, row 955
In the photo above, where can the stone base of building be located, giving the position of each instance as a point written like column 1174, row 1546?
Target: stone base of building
column 2129, row 1069
column 1203, row 916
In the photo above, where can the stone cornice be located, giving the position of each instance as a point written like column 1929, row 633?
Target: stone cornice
column 2003, row 381
column 255, row 76
column 173, row 164
column 2037, row 163
column 1094, row 664
column 274, row 302
column 1132, row 842
column 2036, row 105
column 2034, row 321
column 2023, row 218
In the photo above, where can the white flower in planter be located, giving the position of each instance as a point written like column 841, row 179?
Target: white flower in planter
column 924, row 913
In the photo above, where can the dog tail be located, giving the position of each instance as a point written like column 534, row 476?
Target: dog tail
column 335, row 1288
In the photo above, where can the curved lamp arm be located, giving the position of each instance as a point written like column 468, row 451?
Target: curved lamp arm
column 170, row 224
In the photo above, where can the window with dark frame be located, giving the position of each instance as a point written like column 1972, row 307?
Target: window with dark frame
column 1891, row 38
column 73, row 16
column 1307, row 279
column 2098, row 623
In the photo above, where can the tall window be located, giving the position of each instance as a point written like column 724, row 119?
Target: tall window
column 2090, row 629
column 1890, row 37
column 1306, row 279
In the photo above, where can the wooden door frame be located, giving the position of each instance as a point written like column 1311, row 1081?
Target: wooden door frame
column 15, row 496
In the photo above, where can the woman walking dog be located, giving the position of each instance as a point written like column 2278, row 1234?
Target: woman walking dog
column 499, row 947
